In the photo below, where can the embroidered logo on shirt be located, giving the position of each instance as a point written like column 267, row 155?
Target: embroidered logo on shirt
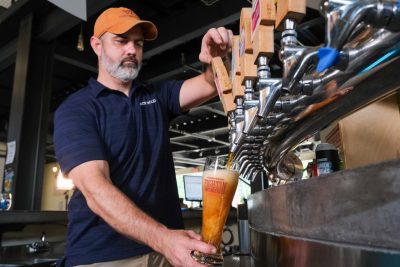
column 143, row 103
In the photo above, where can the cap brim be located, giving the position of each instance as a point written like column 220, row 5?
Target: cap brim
column 149, row 29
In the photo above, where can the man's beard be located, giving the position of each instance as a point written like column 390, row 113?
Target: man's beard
column 121, row 70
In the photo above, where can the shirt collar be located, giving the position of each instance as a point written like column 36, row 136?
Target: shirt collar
column 98, row 87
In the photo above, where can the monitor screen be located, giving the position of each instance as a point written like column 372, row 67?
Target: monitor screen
column 193, row 187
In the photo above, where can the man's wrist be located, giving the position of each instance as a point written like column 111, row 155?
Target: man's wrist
column 208, row 73
column 157, row 242
column 206, row 66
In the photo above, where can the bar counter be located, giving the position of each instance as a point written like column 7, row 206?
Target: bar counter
column 237, row 261
column 32, row 217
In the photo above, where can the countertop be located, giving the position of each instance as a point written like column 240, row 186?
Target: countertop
column 237, row 261
column 27, row 217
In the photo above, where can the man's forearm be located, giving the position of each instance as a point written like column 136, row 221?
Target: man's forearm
column 122, row 214
column 197, row 90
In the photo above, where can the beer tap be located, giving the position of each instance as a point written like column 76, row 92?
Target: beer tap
column 232, row 126
column 250, row 107
column 248, row 71
column 263, row 46
column 289, row 13
column 237, row 93
column 239, row 118
column 248, row 76
column 224, row 88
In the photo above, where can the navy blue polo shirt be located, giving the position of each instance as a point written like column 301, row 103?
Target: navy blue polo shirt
column 131, row 134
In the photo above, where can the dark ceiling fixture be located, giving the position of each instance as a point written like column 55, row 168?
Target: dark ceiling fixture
column 209, row 2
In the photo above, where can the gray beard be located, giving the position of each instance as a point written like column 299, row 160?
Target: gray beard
column 124, row 73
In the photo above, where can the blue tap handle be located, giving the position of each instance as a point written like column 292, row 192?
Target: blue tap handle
column 327, row 58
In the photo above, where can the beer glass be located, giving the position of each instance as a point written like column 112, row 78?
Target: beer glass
column 220, row 179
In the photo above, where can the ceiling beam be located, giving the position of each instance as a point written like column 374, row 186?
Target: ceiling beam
column 201, row 135
column 168, row 74
column 193, row 23
column 14, row 10
column 60, row 21
column 7, row 54
column 197, row 162
column 76, row 63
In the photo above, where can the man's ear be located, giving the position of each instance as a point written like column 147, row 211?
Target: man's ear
column 96, row 45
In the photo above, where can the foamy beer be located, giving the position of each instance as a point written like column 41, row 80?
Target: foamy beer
column 220, row 179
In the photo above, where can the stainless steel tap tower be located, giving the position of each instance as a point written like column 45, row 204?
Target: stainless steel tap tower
column 349, row 218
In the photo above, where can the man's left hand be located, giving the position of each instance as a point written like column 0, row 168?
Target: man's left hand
column 216, row 42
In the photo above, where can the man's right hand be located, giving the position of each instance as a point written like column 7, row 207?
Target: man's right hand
column 176, row 246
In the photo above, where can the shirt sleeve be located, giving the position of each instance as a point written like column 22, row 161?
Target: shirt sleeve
column 169, row 91
column 76, row 137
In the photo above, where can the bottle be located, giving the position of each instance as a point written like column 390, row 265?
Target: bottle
column 327, row 158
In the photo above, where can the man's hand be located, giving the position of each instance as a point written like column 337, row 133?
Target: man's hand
column 216, row 42
column 177, row 245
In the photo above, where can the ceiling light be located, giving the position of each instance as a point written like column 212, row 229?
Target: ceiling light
column 54, row 169
column 80, row 45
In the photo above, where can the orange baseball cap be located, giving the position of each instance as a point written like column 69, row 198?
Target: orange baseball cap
column 119, row 20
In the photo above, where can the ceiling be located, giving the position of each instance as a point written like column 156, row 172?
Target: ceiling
column 174, row 55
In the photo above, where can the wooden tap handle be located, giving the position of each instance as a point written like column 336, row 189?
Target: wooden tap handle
column 289, row 9
column 245, row 45
column 228, row 103
column 263, row 44
column 235, row 67
column 248, row 68
column 221, row 77
column 263, row 13
column 237, row 88
column 223, row 84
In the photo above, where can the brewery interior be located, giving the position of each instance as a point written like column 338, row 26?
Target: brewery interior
column 308, row 105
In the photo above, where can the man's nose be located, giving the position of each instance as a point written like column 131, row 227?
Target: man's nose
column 131, row 48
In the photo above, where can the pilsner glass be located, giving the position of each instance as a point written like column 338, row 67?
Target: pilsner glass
column 220, row 179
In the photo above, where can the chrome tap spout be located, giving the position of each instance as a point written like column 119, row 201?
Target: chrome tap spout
column 269, row 93
column 232, row 130
column 250, row 107
column 238, row 137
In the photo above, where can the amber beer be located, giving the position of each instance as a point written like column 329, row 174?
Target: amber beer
column 219, row 187
column 220, row 179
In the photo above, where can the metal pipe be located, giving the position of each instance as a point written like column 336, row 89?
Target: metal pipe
column 359, row 91
column 199, row 136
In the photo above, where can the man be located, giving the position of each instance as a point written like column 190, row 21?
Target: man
column 111, row 138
